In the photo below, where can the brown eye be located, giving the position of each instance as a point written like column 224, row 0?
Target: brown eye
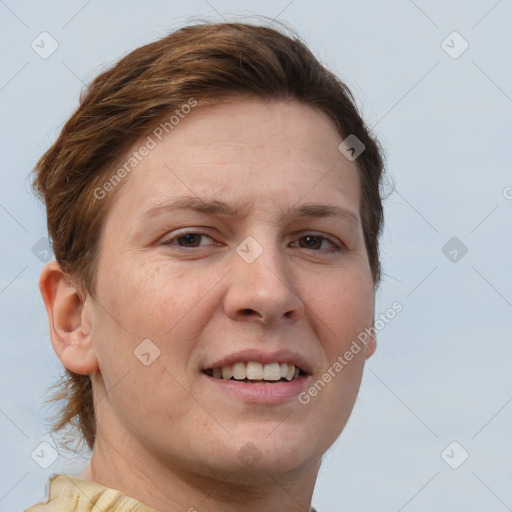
column 311, row 242
column 315, row 242
column 188, row 240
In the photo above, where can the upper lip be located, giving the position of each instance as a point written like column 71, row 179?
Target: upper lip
column 280, row 356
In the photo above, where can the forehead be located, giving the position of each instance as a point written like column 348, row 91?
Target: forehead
column 247, row 152
column 257, row 129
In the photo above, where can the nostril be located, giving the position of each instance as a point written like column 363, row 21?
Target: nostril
column 250, row 312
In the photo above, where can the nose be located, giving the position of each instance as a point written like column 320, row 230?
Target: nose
column 263, row 290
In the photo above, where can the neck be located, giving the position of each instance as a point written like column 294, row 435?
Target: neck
column 172, row 489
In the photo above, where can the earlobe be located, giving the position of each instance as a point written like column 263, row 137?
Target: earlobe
column 70, row 329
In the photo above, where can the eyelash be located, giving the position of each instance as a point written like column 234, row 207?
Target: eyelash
column 169, row 243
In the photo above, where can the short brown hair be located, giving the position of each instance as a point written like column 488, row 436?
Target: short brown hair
column 207, row 62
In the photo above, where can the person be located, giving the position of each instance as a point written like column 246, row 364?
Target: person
column 214, row 209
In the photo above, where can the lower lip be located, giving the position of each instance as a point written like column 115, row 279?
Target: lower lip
column 277, row 393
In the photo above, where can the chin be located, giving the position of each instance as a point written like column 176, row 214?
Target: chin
column 278, row 450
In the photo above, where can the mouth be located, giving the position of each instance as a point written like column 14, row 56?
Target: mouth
column 254, row 372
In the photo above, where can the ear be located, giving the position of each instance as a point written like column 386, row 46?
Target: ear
column 371, row 346
column 70, row 326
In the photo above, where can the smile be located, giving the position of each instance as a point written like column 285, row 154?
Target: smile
column 254, row 372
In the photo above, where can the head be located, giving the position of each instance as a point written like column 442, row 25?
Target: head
column 201, row 213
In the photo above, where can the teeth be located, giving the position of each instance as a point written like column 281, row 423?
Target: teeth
column 271, row 371
column 239, row 372
column 227, row 373
column 256, row 371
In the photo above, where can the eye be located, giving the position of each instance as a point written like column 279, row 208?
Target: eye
column 187, row 240
column 195, row 239
column 316, row 242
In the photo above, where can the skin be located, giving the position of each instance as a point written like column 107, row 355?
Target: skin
column 166, row 435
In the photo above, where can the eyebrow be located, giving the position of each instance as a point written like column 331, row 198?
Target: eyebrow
column 220, row 207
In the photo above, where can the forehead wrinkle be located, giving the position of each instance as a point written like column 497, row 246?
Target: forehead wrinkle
column 211, row 206
column 215, row 206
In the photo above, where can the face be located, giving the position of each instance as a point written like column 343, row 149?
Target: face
column 234, row 247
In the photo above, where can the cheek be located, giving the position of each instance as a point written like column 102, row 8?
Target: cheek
column 138, row 303
column 149, row 298
column 154, row 301
column 344, row 306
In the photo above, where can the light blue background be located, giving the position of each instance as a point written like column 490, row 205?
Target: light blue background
column 442, row 369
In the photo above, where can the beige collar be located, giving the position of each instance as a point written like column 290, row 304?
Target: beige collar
column 71, row 494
